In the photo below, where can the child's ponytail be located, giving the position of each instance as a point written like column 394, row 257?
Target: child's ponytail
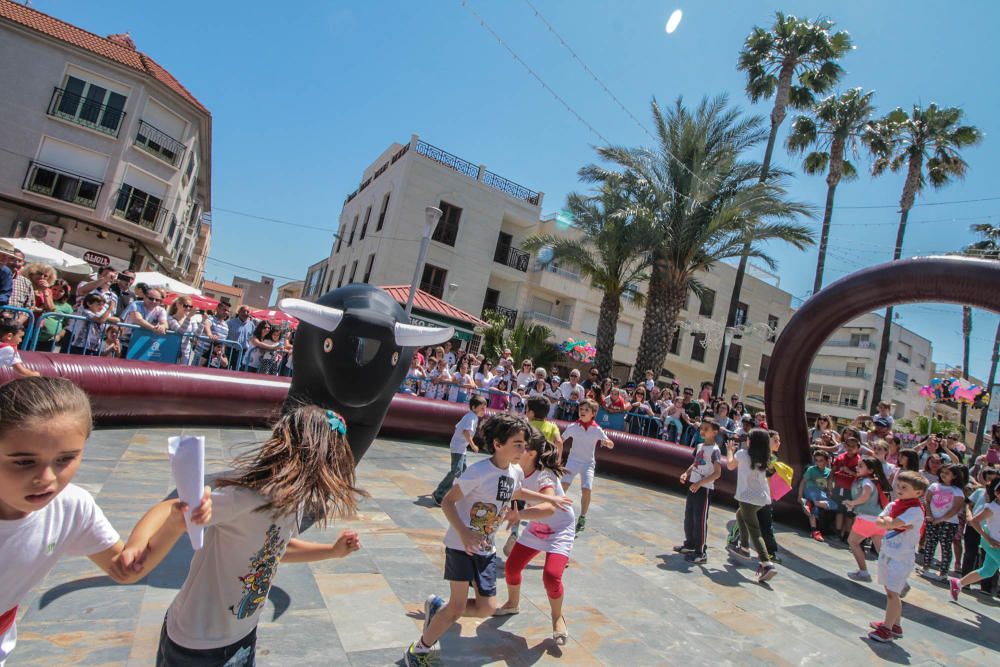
column 548, row 456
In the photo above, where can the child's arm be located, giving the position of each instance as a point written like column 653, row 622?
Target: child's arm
column 731, row 462
column 715, row 474
column 468, row 439
column 866, row 493
column 535, row 497
column 977, row 525
column 889, row 523
column 686, row 474
column 802, row 488
column 470, row 540
column 24, row 371
column 301, row 551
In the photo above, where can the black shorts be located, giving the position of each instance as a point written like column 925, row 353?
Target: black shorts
column 478, row 570
column 241, row 653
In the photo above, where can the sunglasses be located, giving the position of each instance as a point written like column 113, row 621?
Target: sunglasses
column 153, row 299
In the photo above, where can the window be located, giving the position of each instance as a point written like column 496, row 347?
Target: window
column 90, row 105
column 698, row 349
column 340, row 241
column 354, row 271
column 340, row 279
column 707, row 303
column 765, row 363
column 772, row 324
column 158, row 143
column 368, row 269
column 904, row 352
column 850, row 398
column 364, row 227
column 433, row 280
column 190, row 167
column 900, row 379
column 733, row 362
column 859, row 340
column 855, row 370
column 922, row 362
column 623, row 334
column 492, row 299
column 447, row 228
column 742, row 313
column 354, row 228
column 675, row 342
column 139, row 207
column 62, row 185
column 381, row 215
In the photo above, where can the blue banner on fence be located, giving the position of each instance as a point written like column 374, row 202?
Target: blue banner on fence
column 612, row 420
column 148, row 346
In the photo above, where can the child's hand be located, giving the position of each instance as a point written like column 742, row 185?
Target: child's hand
column 475, row 450
column 513, row 517
column 608, row 443
column 203, row 513
column 472, row 541
column 695, row 487
column 347, row 543
column 684, row 477
column 562, row 502
column 130, row 561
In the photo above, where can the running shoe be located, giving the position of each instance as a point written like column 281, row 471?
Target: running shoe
column 681, row 549
column 859, row 575
column 414, row 659
column 955, row 587
column 818, row 536
column 897, row 631
column 738, row 551
column 697, row 559
column 581, row 523
column 774, row 558
column 766, row 572
column 881, row 634
column 432, row 605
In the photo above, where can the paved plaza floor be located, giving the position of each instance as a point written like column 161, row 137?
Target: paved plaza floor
column 629, row 599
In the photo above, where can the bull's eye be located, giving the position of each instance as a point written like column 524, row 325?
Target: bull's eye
column 327, row 344
column 395, row 358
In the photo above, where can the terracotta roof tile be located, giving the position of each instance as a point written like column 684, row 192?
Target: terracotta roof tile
column 113, row 49
column 432, row 304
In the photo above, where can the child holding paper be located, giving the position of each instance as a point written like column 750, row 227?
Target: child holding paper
column 304, row 468
column 869, row 494
column 43, row 516
column 700, row 478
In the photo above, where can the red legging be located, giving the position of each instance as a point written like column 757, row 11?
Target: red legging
column 555, row 565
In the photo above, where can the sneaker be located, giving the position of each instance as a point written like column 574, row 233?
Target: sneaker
column 766, row 572
column 859, row 575
column 581, row 523
column 955, row 587
column 774, row 558
column 432, row 605
column 897, row 631
column 697, row 559
column 818, row 536
column 932, row 575
column 881, row 634
column 413, row 659
column 738, row 551
column 508, row 546
column 681, row 549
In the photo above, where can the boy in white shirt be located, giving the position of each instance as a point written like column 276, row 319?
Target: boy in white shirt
column 584, row 435
column 902, row 520
column 701, row 475
column 11, row 335
column 465, row 431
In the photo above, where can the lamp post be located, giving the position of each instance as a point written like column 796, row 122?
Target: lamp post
column 727, row 340
column 743, row 380
column 431, row 216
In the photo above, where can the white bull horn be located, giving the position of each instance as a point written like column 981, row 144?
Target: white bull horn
column 324, row 317
column 410, row 335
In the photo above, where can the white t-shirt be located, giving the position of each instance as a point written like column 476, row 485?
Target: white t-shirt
column 9, row 356
column 705, row 457
column 483, row 380
column 554, row 533
column 902, row 544
column 450, row 358
column 992, row 526
column 525, row 379
column 486, row 494
column 942, row 498
column 751, row 483
column 458, row 379
column 229, row 578
column 71, row 525
column 470, row 422
column 585, row 439
column 566, row 390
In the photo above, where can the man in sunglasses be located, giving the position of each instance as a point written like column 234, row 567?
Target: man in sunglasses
column 240, row 331
column 593, row 377
column 122, row 289
column 147, row 313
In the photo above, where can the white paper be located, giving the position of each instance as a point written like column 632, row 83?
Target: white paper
column 187, row 461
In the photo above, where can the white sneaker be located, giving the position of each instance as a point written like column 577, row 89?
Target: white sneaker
column 859, row 575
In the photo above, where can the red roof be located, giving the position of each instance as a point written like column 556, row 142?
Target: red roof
column 431, row 304
column 116, row 49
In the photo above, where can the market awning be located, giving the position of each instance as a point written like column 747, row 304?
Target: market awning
column 428, row 310
column 63, row 262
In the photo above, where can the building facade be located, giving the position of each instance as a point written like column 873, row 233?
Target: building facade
column 105, row 154
column 222, row 292
column 292, row 290
column 256, row 293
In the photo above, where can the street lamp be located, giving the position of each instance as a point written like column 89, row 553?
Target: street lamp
column 727, row 340
column 743, row 381
column 431, row 216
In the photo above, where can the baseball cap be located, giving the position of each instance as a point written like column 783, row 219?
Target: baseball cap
column 881, row 421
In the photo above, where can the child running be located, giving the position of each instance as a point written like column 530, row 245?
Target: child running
column 304, row 469
column 462, row 440
column 476, row 505
column 752, row 493
column 551, row 532
column 945, row 500
column 701, row 476
column 869, row 495
column 987, row 523
column 584, row 436
column 814, row 490
column 902, row 519
column 44, row 423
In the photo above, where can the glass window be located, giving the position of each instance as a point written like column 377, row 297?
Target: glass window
column 698, row 349
column 381, row 215
column 90, row 104
column 368, row 269
column 733, row 362
column 59, row 185
column 742, row 313
column 447, row 228
column 675, row 342
column 433, row 280
column 354, row 271
column 765, row 363
column 354, row 228
column 340, row 279
column 772, row 324
column 137, row 206
column 364, row 227
column 707, row 303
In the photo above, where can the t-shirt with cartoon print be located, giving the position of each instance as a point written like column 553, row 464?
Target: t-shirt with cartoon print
column 556, row 532
column 230, row 576
column 705, row 458
column 941, row 500
column 486, row 494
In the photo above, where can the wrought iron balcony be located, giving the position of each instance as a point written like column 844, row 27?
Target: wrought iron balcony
column 512, row 257
column 446, row 159
column 140, row 208
column 507, row 313
column 863, row 344
column 60, row 184
column 558, row 270
column 511, row 188
column 840, row 373
column 159, row 144
column 466, row 168
column 89, row 113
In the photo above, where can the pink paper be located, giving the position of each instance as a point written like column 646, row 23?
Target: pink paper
column 778, row 487
column 866, row 528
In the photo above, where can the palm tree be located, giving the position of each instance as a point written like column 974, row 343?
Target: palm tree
column 930, row 138
column 987, row 248
column 794, row 60
column 700, row 199
column 834, row 127
column 524, row 340
column 612, row 251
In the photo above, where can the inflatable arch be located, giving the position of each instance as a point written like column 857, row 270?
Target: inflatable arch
column 961, row 280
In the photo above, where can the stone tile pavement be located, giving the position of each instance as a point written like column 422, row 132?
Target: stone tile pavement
column 630, row 600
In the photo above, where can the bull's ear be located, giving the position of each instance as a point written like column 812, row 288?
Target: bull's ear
column 410, row 335
column 323, row 317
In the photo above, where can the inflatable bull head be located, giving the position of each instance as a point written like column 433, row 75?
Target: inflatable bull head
column 352, row 351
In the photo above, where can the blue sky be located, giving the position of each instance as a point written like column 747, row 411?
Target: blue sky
column 305, row 95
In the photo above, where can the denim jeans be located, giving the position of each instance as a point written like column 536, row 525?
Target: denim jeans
column 457, row 468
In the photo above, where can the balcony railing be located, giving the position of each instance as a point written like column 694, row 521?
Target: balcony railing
column 512, row 257
column 466, row 168
column 159, row 144
column 545, row 318
column 842, row 402
column 901, row 357
column 552, row 268
column 60, row 184
column 446, row 159
column 139, row 208
column 78, row 109
column 839, row 373
column 507, row 313
column 511, row 188
column 863, row 344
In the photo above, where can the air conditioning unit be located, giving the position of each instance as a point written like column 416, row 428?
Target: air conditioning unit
column 47, row 234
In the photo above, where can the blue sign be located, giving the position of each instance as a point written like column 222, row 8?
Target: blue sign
column 612, row 420
column 150, row 346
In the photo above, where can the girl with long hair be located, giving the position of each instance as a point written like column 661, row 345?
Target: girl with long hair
column 869, row 495
column 752, row 493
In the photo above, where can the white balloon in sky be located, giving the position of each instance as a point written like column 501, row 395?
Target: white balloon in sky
column 674, row 20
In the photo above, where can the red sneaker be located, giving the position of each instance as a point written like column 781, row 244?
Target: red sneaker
column 897, row 631
column 956, row 588
column 818, row 536
column 881, row 634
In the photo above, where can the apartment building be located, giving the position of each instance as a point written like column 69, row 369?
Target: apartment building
column 195, row 274
column 256, row 293
column 290, row 290
column 105, row 155
column 222, row 292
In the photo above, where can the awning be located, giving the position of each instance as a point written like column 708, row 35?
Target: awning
column 63, row 262
column 157, row 279
column 428, row 310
